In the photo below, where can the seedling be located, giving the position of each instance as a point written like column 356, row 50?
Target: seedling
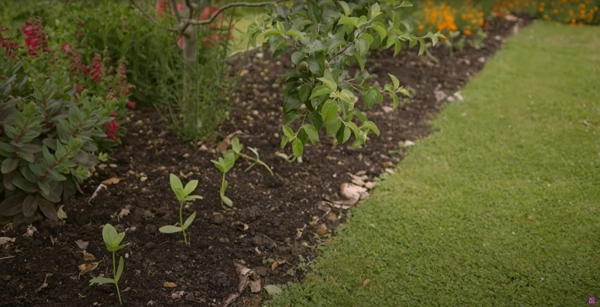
column 226, row 163
column 112, row 240
column 183, row 195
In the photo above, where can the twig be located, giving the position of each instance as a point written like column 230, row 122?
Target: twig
column 151, row 18
column 7, row 257
column 228, row 6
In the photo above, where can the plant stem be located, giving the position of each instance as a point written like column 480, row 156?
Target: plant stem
column 222, row 194
column 257, row 161
column 116, row 281
column 181, row 223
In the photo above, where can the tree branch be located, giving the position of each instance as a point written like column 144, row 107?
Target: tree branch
column 151, row 18
column 228, row 6
column 175, row 11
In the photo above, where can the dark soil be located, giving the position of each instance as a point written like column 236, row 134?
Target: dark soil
column 285, row 216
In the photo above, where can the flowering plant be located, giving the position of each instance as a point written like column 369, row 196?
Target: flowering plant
column 55, row 112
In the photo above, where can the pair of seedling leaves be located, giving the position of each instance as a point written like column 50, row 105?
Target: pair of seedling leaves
column 183, row 195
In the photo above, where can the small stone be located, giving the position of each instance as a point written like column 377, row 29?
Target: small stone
column 217, row 219
column 261, row 271
column 6, row 277
column 250, row 214
column 332, row 217
column 321, row 229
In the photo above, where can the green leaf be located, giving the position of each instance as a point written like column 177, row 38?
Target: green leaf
column 304, row 92
column 287, row 131
column 351, row 21
column 329, row 111
column 374, row 11
column 170, row 229
column 345, row 7
column 320, row 90
column 294, row 33
column 273, row 290
column 362, row 46
column 329, row 82
column 175, row 183
column 192, row 197
column 9, row 165
column 297, row 147
column 119, row 269
column 101, row 280
column 395, row 82
column 371, row 126
column 227, row 201
column 422, row 46
column 333, row 126
column 30, row 205
column 280, row 28
column 381, row 31
column 12, row 205
column 189, row 221
column 372, row 96
column 190, row 187
column 312, row 132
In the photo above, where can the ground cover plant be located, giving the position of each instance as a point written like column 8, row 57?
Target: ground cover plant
column 277, row 221
column 497, row 206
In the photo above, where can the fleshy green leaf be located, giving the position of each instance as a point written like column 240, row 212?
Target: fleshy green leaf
column 170, row 229
column 297, row 147
column 189, row 220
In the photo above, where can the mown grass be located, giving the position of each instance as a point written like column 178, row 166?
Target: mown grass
column 499, row 206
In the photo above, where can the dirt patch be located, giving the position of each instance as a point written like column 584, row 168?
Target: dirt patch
column 277, row 221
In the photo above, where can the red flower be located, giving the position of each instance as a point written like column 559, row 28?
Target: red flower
column 131, row 105
column 160, row 7
column 78, row 88
column 180, row 43
column 111, row 129
column 66, row 47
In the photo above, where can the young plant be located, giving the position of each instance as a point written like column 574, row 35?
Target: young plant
column 226, row 163
column 112, row 239
column 183, row 195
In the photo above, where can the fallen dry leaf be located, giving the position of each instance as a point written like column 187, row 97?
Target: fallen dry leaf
column 276, row 264
column 177, row 295
column 353, row 192
column 388, row 164
column 111, row 181
column 86, row 268
column 300, row 231
column 255, row 286
column 4, row 240
column 357, row 180
column 407, row 143
column 529, row 218
column 168, row 284
column 370, row 185
column 124, row 212
column 222, row 147
column 87, row 256
column 30, row 231
column 366, row 282
column 82, row 244
column 387, row 109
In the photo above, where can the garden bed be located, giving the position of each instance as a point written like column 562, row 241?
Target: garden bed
column 277, row 222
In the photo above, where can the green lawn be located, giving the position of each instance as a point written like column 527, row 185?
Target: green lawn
column 500, row 206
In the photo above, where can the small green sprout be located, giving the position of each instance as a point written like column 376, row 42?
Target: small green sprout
column 183, row 195
column 112, row 240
